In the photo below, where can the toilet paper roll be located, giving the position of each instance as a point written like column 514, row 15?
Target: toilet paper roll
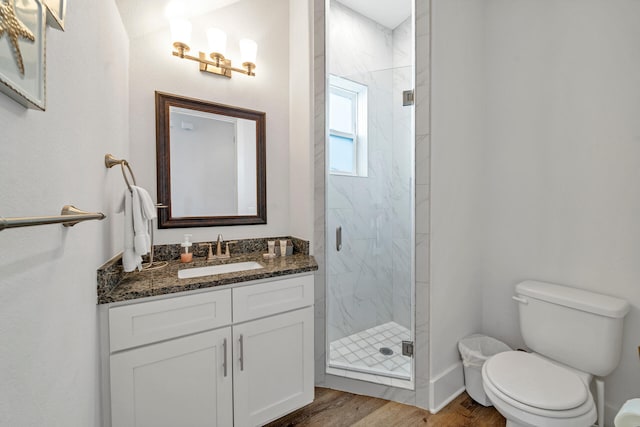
column 629, row 414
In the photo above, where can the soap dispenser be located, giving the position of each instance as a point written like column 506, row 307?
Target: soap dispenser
column 186, row 256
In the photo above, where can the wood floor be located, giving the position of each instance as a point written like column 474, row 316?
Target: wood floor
column 339, row 409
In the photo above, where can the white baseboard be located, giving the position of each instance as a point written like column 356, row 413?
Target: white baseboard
column 445, row 387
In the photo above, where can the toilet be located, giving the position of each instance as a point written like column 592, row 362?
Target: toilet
column 574, row 335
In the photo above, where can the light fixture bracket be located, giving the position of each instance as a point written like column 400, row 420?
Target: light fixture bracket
column 219, row 66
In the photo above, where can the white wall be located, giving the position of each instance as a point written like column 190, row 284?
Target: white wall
column 153, row 68
column 48, row 332
column 562, row 188
column 301, row 153
column 536, row 164
column 457, row 154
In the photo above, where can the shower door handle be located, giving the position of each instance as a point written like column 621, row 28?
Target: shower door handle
column 338, row 238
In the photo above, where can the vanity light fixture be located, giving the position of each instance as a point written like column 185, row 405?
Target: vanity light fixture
column 216, row 63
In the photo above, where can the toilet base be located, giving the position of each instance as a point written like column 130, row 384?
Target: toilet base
column 514, row 424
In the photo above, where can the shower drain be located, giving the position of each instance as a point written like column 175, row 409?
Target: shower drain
column 386, row 351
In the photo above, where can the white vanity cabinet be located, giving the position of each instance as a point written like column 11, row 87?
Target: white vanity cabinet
column 188, row 361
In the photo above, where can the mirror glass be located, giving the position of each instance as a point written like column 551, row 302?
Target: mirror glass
column 211, row 164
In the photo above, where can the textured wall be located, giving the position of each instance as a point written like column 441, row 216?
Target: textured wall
column 48, row 332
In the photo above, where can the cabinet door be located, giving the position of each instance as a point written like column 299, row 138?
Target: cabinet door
column 273, row 366
column 182, row 382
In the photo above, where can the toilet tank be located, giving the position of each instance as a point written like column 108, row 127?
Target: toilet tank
column 579, row 328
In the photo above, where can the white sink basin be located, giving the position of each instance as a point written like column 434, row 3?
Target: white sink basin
column 189, row 273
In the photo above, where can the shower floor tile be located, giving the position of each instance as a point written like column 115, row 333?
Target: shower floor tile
column 361, row 351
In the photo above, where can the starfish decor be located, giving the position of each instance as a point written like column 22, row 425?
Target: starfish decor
column 10, row 24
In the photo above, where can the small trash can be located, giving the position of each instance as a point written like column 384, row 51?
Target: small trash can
column 475, row 350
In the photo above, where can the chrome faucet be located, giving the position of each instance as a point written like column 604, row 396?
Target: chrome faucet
column 219, row 254
column 219, row 246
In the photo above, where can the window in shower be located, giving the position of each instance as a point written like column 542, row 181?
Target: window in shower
column 347, row 127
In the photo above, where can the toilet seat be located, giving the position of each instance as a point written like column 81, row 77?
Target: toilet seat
column 536, row 382
column 499, row 384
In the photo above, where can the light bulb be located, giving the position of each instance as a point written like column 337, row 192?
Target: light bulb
column 217, row 41
column 248, row 51
column 175, row 10
column 180, row 31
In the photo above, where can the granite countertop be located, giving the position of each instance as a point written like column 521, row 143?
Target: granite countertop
column 114, row 285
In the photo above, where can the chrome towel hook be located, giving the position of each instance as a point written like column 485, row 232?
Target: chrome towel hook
column 109, row 162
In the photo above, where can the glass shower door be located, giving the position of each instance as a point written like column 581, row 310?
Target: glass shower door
column 369, row 200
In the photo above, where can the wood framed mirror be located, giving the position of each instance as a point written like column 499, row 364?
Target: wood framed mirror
column 211, row 163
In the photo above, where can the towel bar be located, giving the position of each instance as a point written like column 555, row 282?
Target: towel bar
column 69, row 216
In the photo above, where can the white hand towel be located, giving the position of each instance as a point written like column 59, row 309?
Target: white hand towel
column 149, row 210
column 138, row 210
column 130, row 261
column 143, row 213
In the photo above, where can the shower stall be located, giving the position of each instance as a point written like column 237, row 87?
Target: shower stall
column 370, row 194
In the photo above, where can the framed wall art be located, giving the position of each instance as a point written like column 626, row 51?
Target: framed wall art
column 56, row 10
column 22, row 51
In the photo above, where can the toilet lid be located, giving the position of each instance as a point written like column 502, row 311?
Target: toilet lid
column 536, row 382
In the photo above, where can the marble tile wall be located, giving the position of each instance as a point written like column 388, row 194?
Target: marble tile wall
column 319, row 214
column 370, row 279
column 422, row 120
column 360, row 294
column 361, row 42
